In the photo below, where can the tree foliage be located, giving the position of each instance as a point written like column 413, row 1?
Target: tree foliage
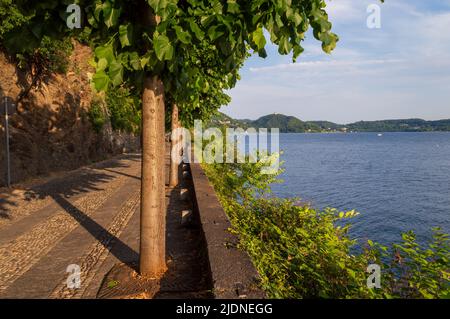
column 196, row 49
column 123, row 107
column 97, row 114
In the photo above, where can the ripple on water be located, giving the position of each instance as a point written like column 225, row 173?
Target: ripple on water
column 397, row 183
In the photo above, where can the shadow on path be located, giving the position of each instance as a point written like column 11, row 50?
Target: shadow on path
column 188, row 274
column 84, row 180
column 113, row 244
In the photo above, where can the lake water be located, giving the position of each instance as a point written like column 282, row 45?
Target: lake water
column 398, row 182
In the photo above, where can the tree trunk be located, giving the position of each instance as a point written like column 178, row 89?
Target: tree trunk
column 153, row 213
column 175, row 149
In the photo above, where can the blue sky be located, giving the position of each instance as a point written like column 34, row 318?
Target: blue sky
column 401, row 70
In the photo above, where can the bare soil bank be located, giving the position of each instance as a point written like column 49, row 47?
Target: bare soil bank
column 51, row 130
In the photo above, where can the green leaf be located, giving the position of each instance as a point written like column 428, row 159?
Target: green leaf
column 135, row 61
column 329, row 41
column 110, row 14
column 284, row 46
column 105, row 52
column 297, row 19
column 217, row 7
column 232, row 7
column 262, row 53
column 196, row 29
column 163, row 49
column 183, row 36
column 163, row 8
column 101, row 81
column 298, row 49
column 116, row 73
column 154, row 4
column 99, row 9
column 157, row 5
column 145, row 60
column 214, row 34
column 123, row 58
column 125, row 34
column 102, row 64
column 259, row 38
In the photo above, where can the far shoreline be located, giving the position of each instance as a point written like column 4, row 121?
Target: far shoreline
column 359, row 132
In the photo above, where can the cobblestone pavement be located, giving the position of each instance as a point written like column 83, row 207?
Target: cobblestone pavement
column 72, row 218
column 90, row 218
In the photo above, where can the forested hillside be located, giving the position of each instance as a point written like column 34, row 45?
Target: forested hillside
column 291, row 124
column 408, row 125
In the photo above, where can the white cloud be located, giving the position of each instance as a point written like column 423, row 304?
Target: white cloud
column 323, row 64
column 344, row 10
column 433, row 33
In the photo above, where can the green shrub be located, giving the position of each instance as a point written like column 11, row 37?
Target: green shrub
column 10, row 17
column 301, row 252
column 22, row 37
column 121, row 107
column 124, row 108
column 298, row 251
column 97, row 114
column 411, row 270
column 55, row 54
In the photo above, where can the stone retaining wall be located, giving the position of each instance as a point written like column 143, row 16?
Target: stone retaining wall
column 233, row 274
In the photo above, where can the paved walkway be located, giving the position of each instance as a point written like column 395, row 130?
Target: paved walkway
column 88, row 217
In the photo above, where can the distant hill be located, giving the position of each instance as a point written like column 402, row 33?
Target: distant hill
column 291, row 124
column 326, row 125
column 221, row 119
column 286, row 124
column 409, row 125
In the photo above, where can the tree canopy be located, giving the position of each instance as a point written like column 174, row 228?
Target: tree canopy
column 196, row 48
